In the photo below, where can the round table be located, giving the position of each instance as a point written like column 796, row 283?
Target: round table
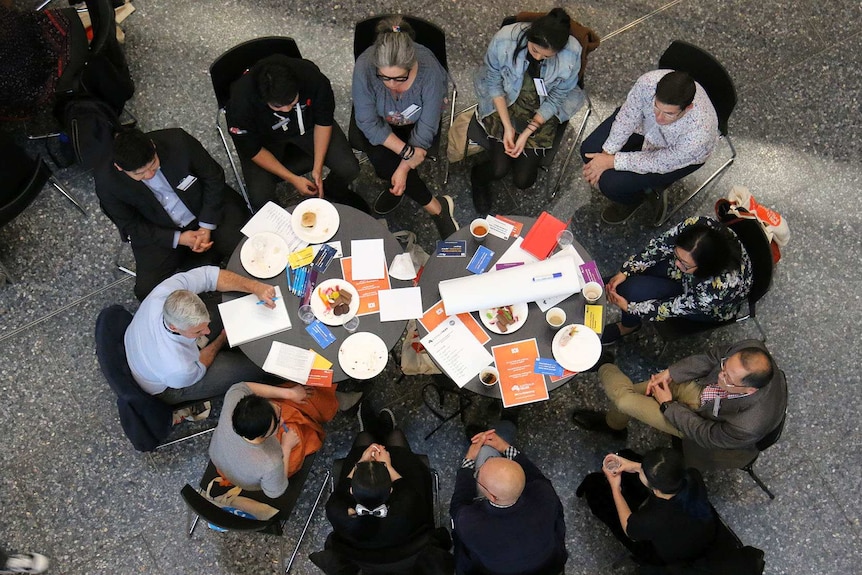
column 438, row 269
column 354, row 225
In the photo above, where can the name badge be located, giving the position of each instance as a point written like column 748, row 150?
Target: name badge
column 186, row 182
column 540, row 86
column 282, row 124
column 411, row 111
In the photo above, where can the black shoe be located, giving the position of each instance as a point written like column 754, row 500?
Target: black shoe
column 511, row 414
column 386, row 202
column 606, row 357
column 481, row 193
column 387, row 421
column 657, row 203
column 445, row 220
column 595, row 421
column 616, row 213
column 612, row 334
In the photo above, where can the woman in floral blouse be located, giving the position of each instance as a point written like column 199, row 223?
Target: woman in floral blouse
column 697, row 270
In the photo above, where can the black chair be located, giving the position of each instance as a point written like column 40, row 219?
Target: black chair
column 709, row 73
column 429, row 35
column 226, row 69
column 202, row 507
column 145, row 419
column 753, row 239
column 768, row 441
column 476, row 134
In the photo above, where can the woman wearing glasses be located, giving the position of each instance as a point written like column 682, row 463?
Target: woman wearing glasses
column 399, row 89
column 697, row 270
column 527, row 86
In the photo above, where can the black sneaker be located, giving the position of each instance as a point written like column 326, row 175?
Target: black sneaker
column 482, row 200
column 595, row 421
column 386, row 202
column 445, row 220
column 657, row 203
column 616, row 214
column 387, row 421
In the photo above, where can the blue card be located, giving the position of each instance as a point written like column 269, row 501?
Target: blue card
column 320, row 333
column 481, row 260
column 323, row 258
column 547, row 367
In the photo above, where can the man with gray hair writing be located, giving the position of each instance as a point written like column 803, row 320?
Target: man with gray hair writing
column 161, row 343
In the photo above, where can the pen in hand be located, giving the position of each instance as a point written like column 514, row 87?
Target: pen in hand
column 261, row 302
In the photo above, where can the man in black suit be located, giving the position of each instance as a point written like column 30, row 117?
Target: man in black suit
column 168, row 196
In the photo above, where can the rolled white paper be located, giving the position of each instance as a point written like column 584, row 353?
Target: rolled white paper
column 529, row 282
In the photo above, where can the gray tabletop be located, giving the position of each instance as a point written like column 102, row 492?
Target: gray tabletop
column 439, row 269
column 354, row 225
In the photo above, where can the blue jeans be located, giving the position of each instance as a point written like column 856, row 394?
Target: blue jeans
column 627, row 187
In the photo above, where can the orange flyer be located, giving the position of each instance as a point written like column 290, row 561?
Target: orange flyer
column 566, row 373
column 368, row 301
column 320, row 378
column 516, row 226
column 435, row 315
column 519, row 384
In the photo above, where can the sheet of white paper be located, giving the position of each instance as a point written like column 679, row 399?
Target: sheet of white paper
column 567, row 252
column 402, row 267
column 369, row 259
column 499, row 228
column 273, row 218
column 290, row 362
column 400, row 304
column 457, row 351
column 516, row 254
column 244, row 320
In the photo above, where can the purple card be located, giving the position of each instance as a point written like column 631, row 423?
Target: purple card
column 508, row 265
column 590, row 271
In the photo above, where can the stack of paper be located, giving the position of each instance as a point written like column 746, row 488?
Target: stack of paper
column 456, row 351
column 246, row 319
column 290, row 362
column 273, row 218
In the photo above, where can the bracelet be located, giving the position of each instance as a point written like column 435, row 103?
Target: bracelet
column 407, row 152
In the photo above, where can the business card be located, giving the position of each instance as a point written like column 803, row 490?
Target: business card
column 320, row 333
column 451, row 249
column 547, row 367
column 481, row 260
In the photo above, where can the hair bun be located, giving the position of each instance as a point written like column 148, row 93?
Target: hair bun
column 561, row 16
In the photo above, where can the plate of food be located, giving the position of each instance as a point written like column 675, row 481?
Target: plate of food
column 334, row 301
column 315, row 220
column 576, row 347
column 264, row 255
column 504, row 319
column 363, row 355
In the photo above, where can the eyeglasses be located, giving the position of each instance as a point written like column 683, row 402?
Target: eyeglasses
column 668, row 115
column 685, row 266
column 399, row 79
column 727, row 381
column 488, row 491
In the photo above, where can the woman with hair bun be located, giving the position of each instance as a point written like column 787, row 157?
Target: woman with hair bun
column 655, row 506
column 526, row 87
column 399, row 89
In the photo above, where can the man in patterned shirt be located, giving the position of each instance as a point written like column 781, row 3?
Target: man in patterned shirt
column 721, row 403
column 665, row 130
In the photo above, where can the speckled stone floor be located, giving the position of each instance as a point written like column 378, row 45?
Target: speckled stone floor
column 74, row 488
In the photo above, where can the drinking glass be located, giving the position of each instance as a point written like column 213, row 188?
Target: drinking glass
column 306, row 314
column 352, row 324
column 565, row 239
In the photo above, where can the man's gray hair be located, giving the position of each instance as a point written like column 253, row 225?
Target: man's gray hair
column 184, row 309
column 394, row 45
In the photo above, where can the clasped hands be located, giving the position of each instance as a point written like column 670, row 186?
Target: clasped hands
column 489, row 438
column 514, row 147
column 196, row 240
column 659, row 386
column 613, row 297
column 376, row 452
column 599, row 162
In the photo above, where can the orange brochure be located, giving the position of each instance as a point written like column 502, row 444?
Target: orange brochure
column 566, row 374
column 319, row 378
column 368, row 301
column 435, row 315
column 519, row 384
column 516, row 226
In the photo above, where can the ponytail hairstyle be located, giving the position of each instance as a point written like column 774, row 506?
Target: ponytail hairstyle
column 714, row 250
column 550, row 32
column 393, row 46
column 371, row 484
column 665, row 471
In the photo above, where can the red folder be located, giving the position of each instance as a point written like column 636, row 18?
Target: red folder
column 542, row 237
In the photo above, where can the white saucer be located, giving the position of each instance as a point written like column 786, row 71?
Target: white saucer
column 324, row 313
column 581, row 352
column 363, row 355
column 519, row 310
column 324, row 227
column 264, row 255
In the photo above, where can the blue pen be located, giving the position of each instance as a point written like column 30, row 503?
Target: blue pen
column 548, row 277
column 261, row 302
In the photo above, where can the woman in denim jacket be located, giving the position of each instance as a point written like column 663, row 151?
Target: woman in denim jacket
column 527, row 85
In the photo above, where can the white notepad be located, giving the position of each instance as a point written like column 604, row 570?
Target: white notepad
column 290, row 362
column 244, row 320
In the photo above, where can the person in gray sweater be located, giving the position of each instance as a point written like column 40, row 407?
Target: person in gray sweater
column 244, row 447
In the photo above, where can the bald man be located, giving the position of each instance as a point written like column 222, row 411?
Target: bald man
column 517, row 526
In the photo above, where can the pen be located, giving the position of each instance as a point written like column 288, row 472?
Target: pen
column 548, row 277
column 261, row 302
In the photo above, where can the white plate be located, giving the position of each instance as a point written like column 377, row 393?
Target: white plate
column 581, row 352
column 264, row 255
column 325, row 226
column 363, row 355
column 323, row 313
column 519, row 311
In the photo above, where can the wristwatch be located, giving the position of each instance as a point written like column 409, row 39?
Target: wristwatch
column 663, row 407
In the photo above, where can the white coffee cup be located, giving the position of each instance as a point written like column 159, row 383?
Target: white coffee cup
column 489, row 376
column 556, row 317
column 592, row 292
column 479, row 228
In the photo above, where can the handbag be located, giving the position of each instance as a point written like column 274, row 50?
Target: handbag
column 414, row 356
column 458, row 143
column 741, row 204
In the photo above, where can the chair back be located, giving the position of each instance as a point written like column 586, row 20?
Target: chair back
column 145, row 420
column 214, row 514
column 753, row 239
column 428, row 34
column 706, row 71
column 234, row 63
column 773, row 436
column 22, row 177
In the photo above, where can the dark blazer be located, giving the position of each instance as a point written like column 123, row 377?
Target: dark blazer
column 727, row 439
column 136, row 212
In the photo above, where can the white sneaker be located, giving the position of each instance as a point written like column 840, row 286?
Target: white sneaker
column 26, row 563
